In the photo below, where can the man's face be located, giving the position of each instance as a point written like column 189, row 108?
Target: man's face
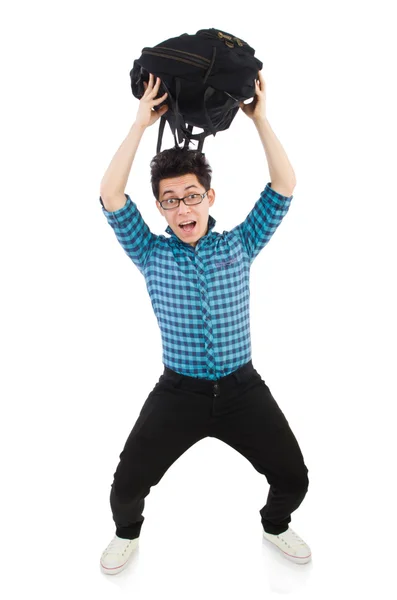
column 179, row 187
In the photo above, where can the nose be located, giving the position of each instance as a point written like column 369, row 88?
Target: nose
column 183, row 209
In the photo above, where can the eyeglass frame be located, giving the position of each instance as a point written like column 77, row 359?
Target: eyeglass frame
column 183, row 200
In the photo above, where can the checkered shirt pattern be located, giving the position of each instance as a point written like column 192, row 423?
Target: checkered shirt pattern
column 201, row 295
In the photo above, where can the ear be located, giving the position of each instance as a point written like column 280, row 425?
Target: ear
column 161, row 211
column 211, row 197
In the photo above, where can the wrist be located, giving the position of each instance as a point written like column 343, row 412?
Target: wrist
column 137, row 126
column 261, row 120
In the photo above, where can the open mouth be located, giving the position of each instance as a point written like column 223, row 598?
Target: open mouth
column 189, row 227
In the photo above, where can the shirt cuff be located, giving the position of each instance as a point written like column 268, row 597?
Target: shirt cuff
column 120, row 212
column 276, row 197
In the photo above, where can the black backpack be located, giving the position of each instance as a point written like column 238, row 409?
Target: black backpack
column 206, row 76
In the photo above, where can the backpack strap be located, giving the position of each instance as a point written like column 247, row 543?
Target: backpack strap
column 201, row 142
column 161, row 131
column 197, row 136
column 180, row 127
column 163, row 120
column 207, row 95
column 211, row 64
column 188, row 138
column 200, row 136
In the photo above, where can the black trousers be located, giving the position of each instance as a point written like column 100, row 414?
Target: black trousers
column 238, row 409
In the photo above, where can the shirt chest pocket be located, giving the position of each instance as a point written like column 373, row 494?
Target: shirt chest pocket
column 231, row 259
column 224, row 264
column 228, row 271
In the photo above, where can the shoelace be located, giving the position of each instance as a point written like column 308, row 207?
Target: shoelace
column 294, row 537
column 118, row 546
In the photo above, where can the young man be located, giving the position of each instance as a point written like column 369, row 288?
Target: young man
column 198, row 283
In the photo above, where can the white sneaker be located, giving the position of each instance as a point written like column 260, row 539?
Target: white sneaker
column 114, row 559
column 291, row 545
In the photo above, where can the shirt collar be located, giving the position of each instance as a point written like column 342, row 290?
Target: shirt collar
column 211, row 225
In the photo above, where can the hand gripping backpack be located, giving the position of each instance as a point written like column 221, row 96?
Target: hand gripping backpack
column 206, row 76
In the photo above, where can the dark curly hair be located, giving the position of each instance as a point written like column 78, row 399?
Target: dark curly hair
column 179, row 161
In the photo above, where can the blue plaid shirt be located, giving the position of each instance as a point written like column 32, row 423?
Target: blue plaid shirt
column 201, row 295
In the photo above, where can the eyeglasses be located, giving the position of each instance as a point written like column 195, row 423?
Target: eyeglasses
column 171, row 203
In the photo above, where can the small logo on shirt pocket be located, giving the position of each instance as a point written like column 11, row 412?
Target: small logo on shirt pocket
column 225, row 263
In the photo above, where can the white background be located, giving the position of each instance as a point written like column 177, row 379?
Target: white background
column 81, row 348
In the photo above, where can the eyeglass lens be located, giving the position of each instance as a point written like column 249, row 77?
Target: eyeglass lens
column 174, row 202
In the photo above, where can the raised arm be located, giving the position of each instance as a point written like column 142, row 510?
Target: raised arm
column 114, row 181
column 281, row 173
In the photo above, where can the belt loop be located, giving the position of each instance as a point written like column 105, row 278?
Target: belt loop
column 172, row 376
column 243, row 372
column 175, row 380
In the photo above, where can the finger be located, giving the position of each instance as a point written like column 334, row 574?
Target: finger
column 155, row 89
column 161, row 99
column 262, row 80
column 150, row 88
column 150, row 82
column 147, row 84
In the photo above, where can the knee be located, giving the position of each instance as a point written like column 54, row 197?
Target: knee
column 303, row 479
column 298, row 481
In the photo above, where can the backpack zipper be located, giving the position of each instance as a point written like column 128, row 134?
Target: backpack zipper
column 197, row 62
column 228, row 39
column 183, row 52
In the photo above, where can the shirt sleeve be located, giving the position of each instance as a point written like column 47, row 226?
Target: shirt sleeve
column 261, row 223
column 131, row 231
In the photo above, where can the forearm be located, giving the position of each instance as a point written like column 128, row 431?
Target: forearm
column 281, row 173
column 116, row 176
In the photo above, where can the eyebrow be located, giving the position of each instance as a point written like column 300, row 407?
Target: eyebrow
column 173, row 191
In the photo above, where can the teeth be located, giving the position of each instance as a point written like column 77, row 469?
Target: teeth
column 186, row 223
